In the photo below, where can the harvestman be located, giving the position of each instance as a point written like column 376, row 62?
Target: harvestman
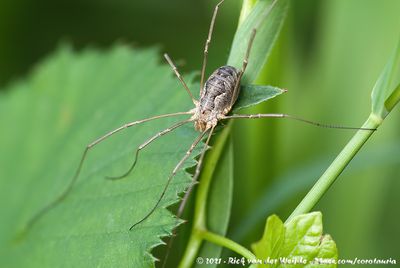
column 217, row 96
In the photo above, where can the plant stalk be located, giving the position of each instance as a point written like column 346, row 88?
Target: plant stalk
column 227, row 243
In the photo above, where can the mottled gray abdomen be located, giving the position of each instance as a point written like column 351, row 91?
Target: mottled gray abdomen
column 218, row 90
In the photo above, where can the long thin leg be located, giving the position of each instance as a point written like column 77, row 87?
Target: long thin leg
column 208, row 41
column 177, row 167
column 147, row 142
column 187, row 193
column 255, row 116
column 175, row 69
column 244, row 65
column 195, row 176
column 249, row 46
column 61, row 197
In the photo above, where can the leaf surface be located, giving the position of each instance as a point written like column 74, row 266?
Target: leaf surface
column 297, row 243
column 254, row 94
column 386, row 92
column 270, row 244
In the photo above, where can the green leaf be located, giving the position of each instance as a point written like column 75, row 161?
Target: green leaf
column 266, row 35
column 68, row 101
column 300, row 239
column 386, row 92
column 304, row 239
column 270, row 244
column 251, row 95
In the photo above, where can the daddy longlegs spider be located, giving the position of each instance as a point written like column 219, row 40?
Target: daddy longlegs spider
column 218, row 94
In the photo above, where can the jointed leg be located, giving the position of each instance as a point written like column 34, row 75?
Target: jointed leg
column 175, row 69
column 133, row 124
column 195, row 176
column 143, row 145
column 255, row 116
column 177, row 167
column 61, row 197
column 208, row 41
column 244, row 65
column 188, row 192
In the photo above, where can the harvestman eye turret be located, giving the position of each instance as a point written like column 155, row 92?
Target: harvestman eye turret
column 217, row 96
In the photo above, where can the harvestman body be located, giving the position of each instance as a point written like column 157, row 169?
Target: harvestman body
column 217, row 96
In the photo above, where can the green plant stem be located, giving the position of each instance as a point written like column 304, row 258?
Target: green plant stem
column 192, row 249
column 199, row 220
column 225, row 242
column 393, row 99
column 337, row 166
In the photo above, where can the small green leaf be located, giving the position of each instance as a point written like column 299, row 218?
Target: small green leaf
column 266, row 35
column 304, row 239
column 270, row 244
column 386, row 92
column 303, row 242
column 251, row 95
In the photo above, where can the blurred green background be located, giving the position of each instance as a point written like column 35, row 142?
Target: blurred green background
column 328, row 56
